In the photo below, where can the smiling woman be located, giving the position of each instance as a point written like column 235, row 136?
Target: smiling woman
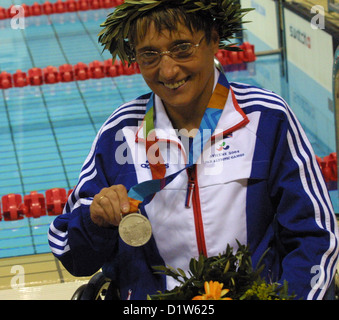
column 184, row 85
column 264, row 189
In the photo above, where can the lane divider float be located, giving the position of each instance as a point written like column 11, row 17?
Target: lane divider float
column 100, row 69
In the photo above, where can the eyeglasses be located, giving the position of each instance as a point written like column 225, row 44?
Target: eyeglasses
column 181, row 52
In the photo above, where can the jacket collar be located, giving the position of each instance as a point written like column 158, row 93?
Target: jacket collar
column 232, row 118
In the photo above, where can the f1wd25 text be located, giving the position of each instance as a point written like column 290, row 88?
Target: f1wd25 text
column 190, row 309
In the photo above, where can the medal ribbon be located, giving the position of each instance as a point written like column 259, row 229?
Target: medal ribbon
column 212, row 114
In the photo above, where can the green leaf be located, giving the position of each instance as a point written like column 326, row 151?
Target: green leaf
column 261, row 258
column 200, row 267
column 149, row 7
column 227, row 266
column 193, row 266
column 182, row 273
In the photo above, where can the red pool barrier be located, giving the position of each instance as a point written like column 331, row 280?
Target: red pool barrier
column 97, row 69
column 132, row 69
column 35, row 77
column 37, row 9
column 81, row 71
column 248, row 52
column 27, row 10
column 66, row 73
column 3, row 13
column 20, row 79
column 119, row 69
column 329, row 169
column 82, row 5
column 95, row 4
column 119, row 66
column 50, row 75
column 71, row 6
column 221, row 57
column 47, row 8
column 5, row 80
column 11, row 11
column 56, row 199
column 101, row 69
column 110, row 69
column 108, row 3
column 35, row 204
column 235, row 57
column 12, row 207
column 59, row 7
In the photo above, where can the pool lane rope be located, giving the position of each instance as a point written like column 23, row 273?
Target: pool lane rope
column 230, row 60
column 57, row 7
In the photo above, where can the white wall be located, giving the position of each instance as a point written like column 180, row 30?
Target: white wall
column 263, row 21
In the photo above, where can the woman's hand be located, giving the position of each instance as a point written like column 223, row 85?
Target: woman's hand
column 108, row 206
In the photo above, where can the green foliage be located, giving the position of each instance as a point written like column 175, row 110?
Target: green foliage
column 260, row 290
column 234, row 270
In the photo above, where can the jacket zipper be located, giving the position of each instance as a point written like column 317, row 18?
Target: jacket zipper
column 192, row 195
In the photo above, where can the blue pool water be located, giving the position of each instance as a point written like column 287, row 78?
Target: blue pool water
column 46, row 131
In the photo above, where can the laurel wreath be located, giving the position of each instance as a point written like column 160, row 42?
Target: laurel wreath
column 114, row 37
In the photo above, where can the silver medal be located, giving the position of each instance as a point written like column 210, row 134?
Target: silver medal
column 135, row 229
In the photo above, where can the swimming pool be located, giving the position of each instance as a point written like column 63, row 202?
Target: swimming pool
column 48, row 130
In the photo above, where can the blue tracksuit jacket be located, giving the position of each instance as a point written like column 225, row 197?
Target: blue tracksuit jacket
column 257, row 181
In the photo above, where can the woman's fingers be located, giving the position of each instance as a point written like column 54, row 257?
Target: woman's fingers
column 108, row 205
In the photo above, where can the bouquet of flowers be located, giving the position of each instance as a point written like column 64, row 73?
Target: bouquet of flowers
column 228, row 276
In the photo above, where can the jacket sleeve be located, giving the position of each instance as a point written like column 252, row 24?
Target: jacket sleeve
column 82, row 246
column 305, row 225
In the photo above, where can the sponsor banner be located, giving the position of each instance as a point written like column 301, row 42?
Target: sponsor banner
column 309, row 48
